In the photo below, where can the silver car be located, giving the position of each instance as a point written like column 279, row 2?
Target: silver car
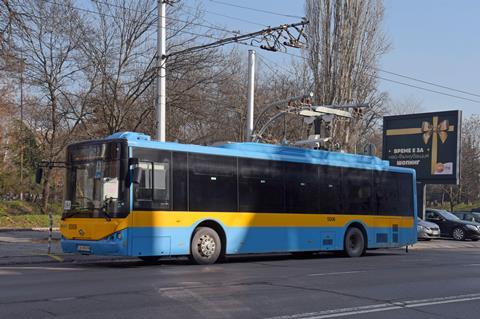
column 427, row 230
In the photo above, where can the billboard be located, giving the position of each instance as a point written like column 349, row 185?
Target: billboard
column 426, row 142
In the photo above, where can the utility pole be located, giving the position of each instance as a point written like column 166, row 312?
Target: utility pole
column 161, row 60
column 250, row 94
column 21, row 128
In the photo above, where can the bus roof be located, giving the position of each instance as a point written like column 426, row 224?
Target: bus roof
column 265, row 151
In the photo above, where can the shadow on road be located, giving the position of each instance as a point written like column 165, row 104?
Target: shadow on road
column 237, row 259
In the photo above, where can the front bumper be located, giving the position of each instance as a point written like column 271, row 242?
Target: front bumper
column 472, row 234
column 428, row 234
column 114, row 245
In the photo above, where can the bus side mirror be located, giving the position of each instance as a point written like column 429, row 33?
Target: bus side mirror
column 137, row 171
column 137, row 175
column 38, row 175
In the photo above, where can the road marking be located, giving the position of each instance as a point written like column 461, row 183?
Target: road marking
column 337, row 273
column 15, row 240
column 342, row 312
column 8, row 272
column 471, row 265
column 57, row 258
column 40, row 268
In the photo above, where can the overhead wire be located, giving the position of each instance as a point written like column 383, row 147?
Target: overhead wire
column 407, row 84
column 298, row 56
column 264, row 58
column 210, row 25
column 224, row 16
column 260, row 58
column 425, row 89
column 428, row 82
column 255, row 9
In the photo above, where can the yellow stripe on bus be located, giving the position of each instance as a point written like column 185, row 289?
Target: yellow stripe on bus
column 98, row 228
column 235, row 219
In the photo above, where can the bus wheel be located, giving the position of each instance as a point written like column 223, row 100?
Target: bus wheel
column 354, row 243
column 205, row 247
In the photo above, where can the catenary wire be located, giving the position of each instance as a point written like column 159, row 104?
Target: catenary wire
column 256, row 10
column 298, row 56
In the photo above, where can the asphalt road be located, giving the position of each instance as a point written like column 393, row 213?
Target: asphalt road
column 425, row 283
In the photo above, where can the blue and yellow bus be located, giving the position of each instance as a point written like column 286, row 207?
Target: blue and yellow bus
column 127, row 195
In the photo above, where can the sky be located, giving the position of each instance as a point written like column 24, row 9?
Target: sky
column 432, row 40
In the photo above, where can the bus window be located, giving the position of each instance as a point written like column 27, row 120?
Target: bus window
column 393, row 194
column 153, row 190
column 161, row 185
column 261, row 186
column 386, row 193
column 405, row 184
column 144, row 189
column 357, row 187
column 301, row 184
column 212, row 183
column 180, row 172
column 330, row 189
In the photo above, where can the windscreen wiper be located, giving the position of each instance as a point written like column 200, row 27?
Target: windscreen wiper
column 108, row 217
column 105, row 205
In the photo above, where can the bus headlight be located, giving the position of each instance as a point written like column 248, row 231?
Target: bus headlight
column 115, row 236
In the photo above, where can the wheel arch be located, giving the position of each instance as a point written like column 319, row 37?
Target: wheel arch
column 358, row 225
column 216, row 226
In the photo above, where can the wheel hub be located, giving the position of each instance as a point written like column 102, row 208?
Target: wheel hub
column 206, row 246
column 458, row 233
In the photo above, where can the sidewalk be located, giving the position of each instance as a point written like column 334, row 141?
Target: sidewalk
column 28, row 246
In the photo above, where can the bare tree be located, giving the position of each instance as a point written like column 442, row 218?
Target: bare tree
column 7, row 19
column 49, row 35
column 469, row 188
column 407, row 105
column 345, row 42
column 120, row 56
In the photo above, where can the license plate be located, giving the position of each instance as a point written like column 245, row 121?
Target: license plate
column 83, row 248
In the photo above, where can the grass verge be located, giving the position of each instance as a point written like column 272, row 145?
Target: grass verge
column 19, row 214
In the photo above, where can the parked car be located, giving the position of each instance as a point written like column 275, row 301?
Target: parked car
column 427, row 230
column 452, row 226
column 468, row 216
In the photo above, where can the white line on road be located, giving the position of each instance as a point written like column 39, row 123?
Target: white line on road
column 40, row 268
column 8, row 272
column 333, row 313
column 337, row 273
column 471, row 265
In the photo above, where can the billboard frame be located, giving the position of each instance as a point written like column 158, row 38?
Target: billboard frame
column 432, row 115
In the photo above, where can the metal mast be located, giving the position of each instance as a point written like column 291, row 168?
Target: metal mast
column 250, row 94
column 161, row 59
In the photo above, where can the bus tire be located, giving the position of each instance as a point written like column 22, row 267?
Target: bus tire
column 354, row 243
column 206, row 246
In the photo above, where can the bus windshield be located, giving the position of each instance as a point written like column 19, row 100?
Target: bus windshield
column 93, row 183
